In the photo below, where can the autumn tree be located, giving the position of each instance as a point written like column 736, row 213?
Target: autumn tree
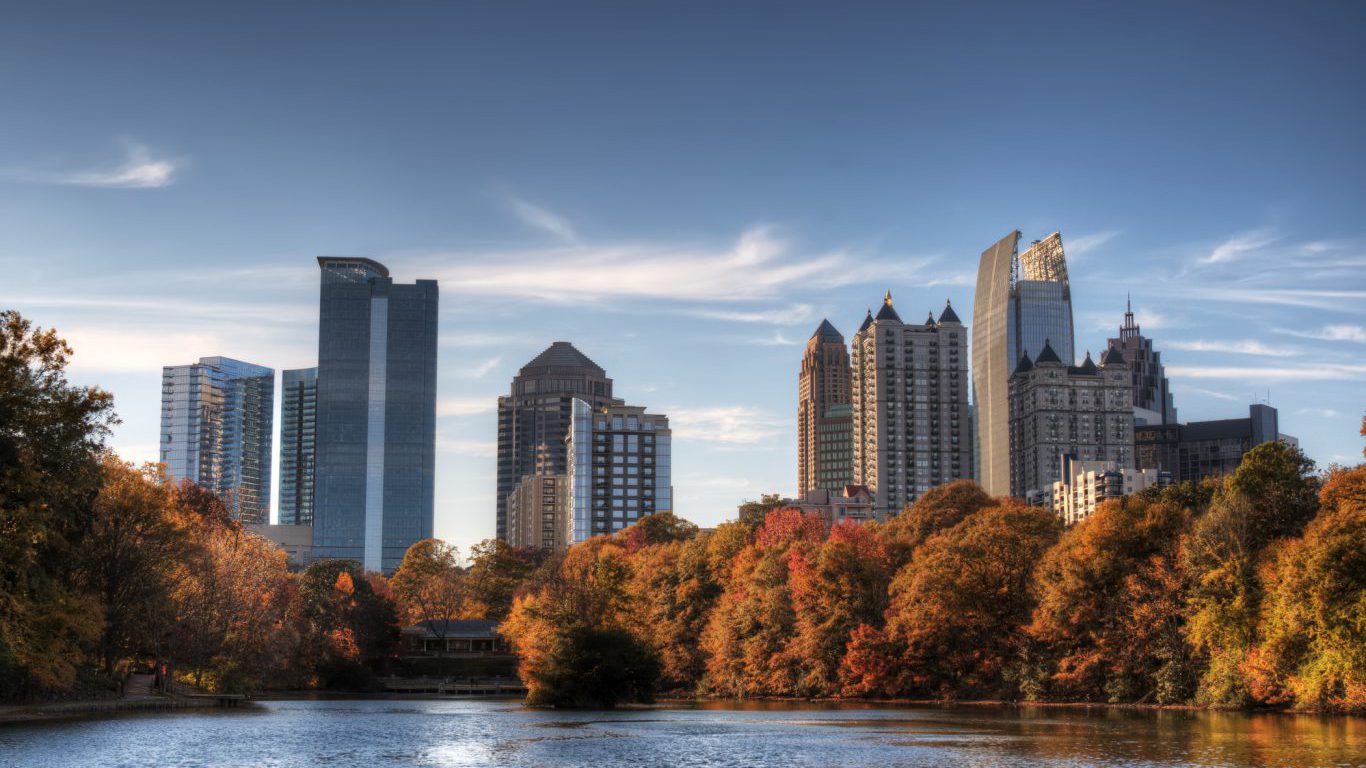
column 1106, row 569
column 51, row 433
column 352, row 629
column 495, row 573
column 938, row 509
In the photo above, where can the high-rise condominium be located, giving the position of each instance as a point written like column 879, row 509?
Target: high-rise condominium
column 1083, row 411
column 298, row 444
column 1153, row 403
column 619, row 468
column 538, row 513
column 533, row 420
column 1022, row 300
column 822, row 408
column 216, row 430
column 376, row 413
column 911, row 429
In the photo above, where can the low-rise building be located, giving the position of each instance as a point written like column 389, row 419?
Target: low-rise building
column 854, row 502
column 1200, row 449
column 295, row 540
column 1085, row 484
column 452, row 637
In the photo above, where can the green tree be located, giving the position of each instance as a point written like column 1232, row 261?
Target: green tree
column 495, row 573
column 597, row 668
column 1278, row 484
column 51, row 434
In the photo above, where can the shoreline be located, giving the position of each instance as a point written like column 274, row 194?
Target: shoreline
column 16, row 714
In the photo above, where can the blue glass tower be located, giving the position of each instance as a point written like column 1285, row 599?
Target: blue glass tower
column 216, row 425
column 376, row 414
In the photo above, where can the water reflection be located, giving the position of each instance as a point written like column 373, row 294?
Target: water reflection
column 367, row 734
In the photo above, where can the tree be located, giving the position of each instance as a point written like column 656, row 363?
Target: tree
column 1277, row 483
column 496, row 571
column 51, row 434
column 959, row 609
column 936, row 510
column 1313, row 623
column 1103, row 570
column 659, row 528
column 597, row 668
column 129, row 556
column 351, row 628
column 752, row 513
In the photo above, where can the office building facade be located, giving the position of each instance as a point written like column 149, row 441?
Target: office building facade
column 1200, row 449
column 822, row 385
column 1022, row 299
column 298, row 444
column 216, row 427
column 620, row 467
column 909, row 387
column 533, row 419
column 538, row 513
column 376, row 414
column 1084, row 411
column 1153, row 401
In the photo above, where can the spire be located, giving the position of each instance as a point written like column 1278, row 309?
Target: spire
column 948, row 315
column 867, row 320
column 1130, row 328
column 827, row 332
column 887, row 312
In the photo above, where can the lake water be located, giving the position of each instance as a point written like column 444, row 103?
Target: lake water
column 370, row 734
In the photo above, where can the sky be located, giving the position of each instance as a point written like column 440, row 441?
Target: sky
column 684, row 190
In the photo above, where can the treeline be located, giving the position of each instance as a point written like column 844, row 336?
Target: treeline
column 107, row 568
column 1234, row 593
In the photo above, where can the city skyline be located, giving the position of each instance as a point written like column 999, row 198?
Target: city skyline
column 664, row 231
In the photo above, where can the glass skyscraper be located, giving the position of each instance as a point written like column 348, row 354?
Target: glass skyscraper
column 216, row 426
column 376, row 414
column 298, row 442
column 1022, row 301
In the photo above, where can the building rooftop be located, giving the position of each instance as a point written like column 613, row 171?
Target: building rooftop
column 948, row 315
column 1047, row 355
column 1113, row 357
column 561, row 354
column 887, row 312
column 1088, row 366
column 327, row 261
column 828, row 332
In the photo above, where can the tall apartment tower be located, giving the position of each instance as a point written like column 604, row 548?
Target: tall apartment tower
column 298, row 444
column 1153, row 403
column 911, row 428
column 620, row 468
column 533, row 419
column 538, row 513
column 376, row 414
column 1083, row 411
column 216, row 427
column 822, row 385
column 1022, row 300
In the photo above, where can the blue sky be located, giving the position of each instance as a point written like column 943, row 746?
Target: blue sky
column 684, row 191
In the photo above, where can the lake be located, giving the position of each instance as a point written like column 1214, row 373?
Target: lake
column 369, row 734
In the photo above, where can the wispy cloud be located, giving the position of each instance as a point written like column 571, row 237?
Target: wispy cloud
column 1331, row 333
column 776, row 340
column 1233, row 346
column 474, row 448
column 465, row 406
column 1310, row 298
column 1084, row 244
column 1325, row 413
column 479, row 370
column 733, row 425
column 1212, row 393
column 140, row 170
column 547, row 221
column 797, row 313
column 1237, row 246
column 1307, row 372
column 758, row 265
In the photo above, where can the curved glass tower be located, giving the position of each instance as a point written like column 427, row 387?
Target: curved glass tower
column 1023, row 300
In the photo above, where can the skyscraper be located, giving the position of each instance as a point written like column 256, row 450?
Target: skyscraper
column 822, row 385
column 1021, row 301
column 216, row 426
column 376, row 413
column 911, row 429
column 620, row 468
column 533, row 420
column 1153, row 403
column 298, row 444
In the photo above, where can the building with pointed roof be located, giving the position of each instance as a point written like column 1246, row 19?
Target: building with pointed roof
column 1056, row 409
column 1022, row 299
column 1153, row 401
column 911, row 426
column 534, row 417
column 822, row 389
